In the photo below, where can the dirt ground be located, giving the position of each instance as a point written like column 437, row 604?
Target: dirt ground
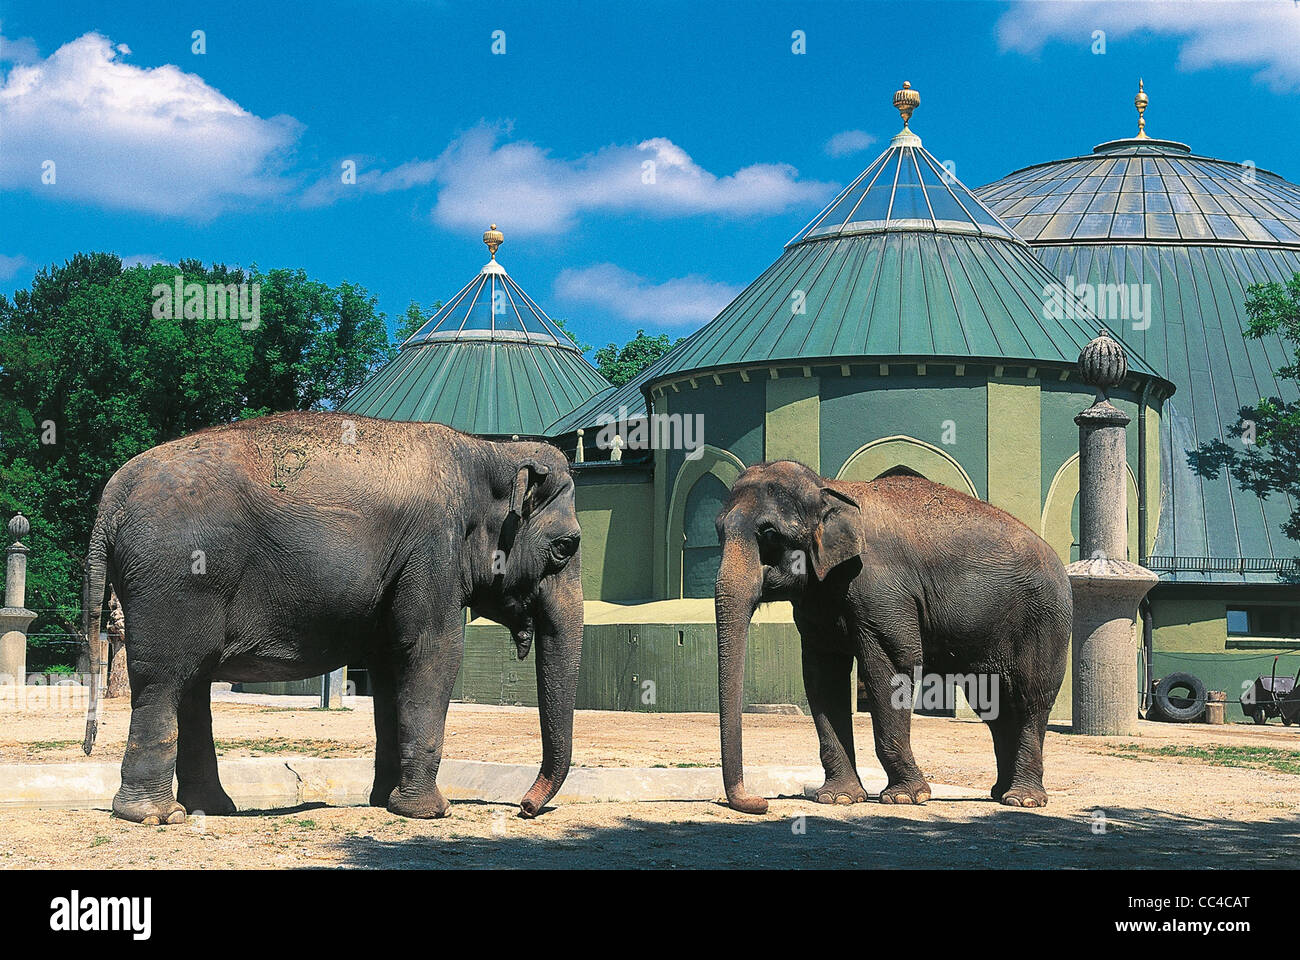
column 1174, row 796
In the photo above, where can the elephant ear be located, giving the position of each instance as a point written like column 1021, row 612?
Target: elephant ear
column 527, row 476
column 837, row 538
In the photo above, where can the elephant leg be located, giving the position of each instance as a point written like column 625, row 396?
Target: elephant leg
column 198, row 787
column 149, row 764
column 424, row 683
column 1026, row 788
column 1005, row 729
column 826, row 678
column 891, row 721
column 388, row 761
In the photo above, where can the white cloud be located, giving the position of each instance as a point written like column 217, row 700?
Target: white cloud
column 681, row 301
column 481, row 179
column 413, row 173
column 155, row 139
column 17, row 49
column 847, row 142
column 11, row 265
column 1264, row 34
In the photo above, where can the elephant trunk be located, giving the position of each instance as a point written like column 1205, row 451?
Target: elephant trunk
column 739, row 587
column 559, row 651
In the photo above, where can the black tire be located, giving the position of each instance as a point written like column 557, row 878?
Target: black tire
column 1168, row 706
column 1259, row 715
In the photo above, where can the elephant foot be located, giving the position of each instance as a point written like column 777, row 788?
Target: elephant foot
column 380, row 793
column 1022, row 796
column 843, row 791
column 151, row 813
column 908, row 791
column 210, row 800
column 426, row 806
column 999, row 789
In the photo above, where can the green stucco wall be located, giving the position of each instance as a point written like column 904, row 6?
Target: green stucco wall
column 792, row 429
column 616, row 513
column 1014, row 464
column 943, row 410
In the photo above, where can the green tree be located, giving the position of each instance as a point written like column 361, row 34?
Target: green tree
column 564, row 328
column 1264, row 456
column 621, row 364
column 94, row 372
column 414, row 318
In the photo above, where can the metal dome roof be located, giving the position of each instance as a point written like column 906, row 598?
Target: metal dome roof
column 905, row 188
column 905, row 263
column 1143, row 189
column 490, row 362
column 1197, row 233
column 491, row 307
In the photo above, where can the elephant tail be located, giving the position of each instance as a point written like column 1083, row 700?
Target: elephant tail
column 92, row 609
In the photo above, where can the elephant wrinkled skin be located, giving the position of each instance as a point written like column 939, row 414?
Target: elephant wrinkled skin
column 900, row 574
column 287, row 546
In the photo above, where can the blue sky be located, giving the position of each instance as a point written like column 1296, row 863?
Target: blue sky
column 235, row 155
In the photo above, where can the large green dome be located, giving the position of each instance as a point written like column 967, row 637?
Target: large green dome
column 904, row 263
column 490, row 362
column 1196, row 232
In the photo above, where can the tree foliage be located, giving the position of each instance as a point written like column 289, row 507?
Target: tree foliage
column 1265, row 454
column 90, row 377
column 619, row 365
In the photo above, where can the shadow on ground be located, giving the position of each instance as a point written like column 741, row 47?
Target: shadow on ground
column 943, row 835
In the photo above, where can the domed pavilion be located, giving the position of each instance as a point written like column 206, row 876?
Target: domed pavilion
column 1179, row 237
column 490, row 362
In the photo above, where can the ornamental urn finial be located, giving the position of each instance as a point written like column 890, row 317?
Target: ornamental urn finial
column 19, row 527
column 1102, row 363
column 1140, row 101
column 493, row 238
column 906, row 100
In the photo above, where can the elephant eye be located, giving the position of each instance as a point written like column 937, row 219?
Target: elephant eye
column 562, row 548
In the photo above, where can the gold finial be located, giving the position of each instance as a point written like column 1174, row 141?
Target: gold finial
column 493, row 238
column 906, row 100
column 1140, row 101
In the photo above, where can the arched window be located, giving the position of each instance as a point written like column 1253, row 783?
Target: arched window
column 701, row 553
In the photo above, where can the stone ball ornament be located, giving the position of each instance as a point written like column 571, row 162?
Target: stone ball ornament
column 19, row 527
column 1102, row 362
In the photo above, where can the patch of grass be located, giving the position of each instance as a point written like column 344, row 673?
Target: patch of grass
column 265, row 745
column 666, row 766
column 99, row 841
column 1218, row 755
column 39, row 746
column 304, row 710
column 305, row 823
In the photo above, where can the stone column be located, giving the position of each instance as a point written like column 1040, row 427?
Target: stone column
column 15, row 618
column 1106, row 586
column 332, row 687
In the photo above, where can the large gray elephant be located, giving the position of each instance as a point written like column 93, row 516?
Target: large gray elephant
column 287, row 546
column 899, row 574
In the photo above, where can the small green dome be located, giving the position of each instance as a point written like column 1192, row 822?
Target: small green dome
column 490, row 362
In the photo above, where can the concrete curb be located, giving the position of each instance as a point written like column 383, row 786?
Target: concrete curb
column 268, row 783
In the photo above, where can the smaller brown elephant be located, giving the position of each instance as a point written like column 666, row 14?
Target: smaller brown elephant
column 902, row 575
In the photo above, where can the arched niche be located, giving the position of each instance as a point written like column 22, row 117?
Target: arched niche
column 713, row 461
column 889, row 454
column 1060, row 517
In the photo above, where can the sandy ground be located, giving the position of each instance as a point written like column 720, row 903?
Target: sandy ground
column 1174, row 796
